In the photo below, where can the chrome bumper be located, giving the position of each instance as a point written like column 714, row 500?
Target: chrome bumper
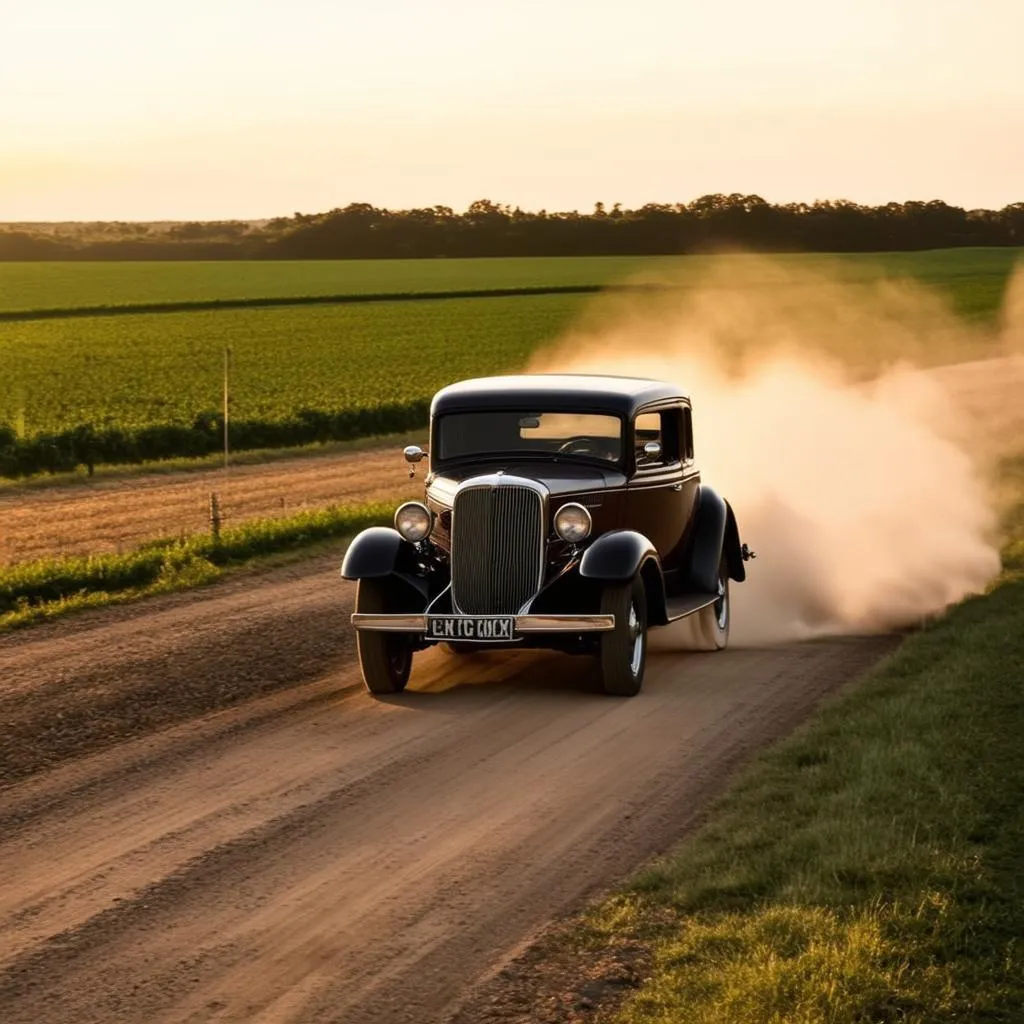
column 523, row 623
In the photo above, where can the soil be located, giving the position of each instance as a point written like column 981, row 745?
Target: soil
column 118, row 515
column 206, row 818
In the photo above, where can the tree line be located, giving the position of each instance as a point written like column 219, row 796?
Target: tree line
column 486, row 228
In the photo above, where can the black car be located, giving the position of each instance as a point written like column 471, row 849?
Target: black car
column 561, row 511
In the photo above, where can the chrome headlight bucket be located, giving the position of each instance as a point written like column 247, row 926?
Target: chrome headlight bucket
column 414, row 521
column 573, row 523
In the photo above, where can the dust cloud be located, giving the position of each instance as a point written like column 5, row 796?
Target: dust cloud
column 859, row 474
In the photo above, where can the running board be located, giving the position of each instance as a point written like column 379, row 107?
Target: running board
column 681, row 605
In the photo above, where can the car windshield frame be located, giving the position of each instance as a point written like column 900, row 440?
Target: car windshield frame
column 439, row 456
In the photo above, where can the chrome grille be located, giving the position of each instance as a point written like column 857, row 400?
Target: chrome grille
column 497, row 548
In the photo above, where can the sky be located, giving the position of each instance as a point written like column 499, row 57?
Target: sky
column 203, row 109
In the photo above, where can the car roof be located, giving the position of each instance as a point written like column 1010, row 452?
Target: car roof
column 555, row 392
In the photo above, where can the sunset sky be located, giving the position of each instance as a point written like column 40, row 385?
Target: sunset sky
column 121, row 109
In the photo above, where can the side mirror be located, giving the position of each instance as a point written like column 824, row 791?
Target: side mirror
column 651, row 451
column 413, row 453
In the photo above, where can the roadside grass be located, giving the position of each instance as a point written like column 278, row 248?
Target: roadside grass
column 48, row 588
column 868, row 869
column 1012, row 500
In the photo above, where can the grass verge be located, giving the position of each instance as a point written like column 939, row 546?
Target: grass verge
column 47, row 588
column 870, row 868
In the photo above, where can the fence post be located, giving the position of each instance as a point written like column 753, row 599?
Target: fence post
column 215, row 517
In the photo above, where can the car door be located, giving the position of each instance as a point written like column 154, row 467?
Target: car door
column 662, row 490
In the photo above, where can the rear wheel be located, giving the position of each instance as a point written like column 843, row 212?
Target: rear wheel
column 714, row 621
column 623, row 650
column 385, row 659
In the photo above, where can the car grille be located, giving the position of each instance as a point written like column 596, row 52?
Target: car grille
column 497, row 548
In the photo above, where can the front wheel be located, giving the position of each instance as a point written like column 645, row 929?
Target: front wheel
column 385, row 659
column 623, row 650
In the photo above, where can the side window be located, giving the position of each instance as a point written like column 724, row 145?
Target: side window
column 662, row 427
column 686, row 442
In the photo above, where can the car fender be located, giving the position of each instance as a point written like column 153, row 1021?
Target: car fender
column 616, row 555
column 714, row 533
column 377, row 551
column 380, row 552
column 621, row 555
column 734, row 555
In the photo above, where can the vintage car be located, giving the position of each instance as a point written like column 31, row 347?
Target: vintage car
column 561, row 511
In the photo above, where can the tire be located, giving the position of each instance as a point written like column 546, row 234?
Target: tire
column 623, row 650
column 713, row 622
column 385, row 659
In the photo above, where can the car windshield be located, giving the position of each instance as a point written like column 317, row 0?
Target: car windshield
column 529, row 432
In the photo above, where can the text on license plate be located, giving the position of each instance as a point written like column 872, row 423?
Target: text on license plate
column 470, row 627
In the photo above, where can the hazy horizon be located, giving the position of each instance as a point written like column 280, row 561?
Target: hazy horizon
column 225, row 110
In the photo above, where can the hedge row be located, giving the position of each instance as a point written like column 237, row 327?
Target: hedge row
column 49, row 580
column 87, row 446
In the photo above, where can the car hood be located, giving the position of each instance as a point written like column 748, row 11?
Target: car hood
column 557, row 479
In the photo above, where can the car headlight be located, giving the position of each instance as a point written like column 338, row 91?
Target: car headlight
column 414, row 521
column 573, row 523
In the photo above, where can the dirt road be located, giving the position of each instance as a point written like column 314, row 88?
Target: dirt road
column 306, row 853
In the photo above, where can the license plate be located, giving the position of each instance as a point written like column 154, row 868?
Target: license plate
column 486, row 628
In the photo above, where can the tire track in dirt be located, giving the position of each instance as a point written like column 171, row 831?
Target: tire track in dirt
column 78, row 685
column 312, row 854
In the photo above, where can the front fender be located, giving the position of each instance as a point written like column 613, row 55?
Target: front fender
column 621, row 555
column 617, row 555
column 377, row 551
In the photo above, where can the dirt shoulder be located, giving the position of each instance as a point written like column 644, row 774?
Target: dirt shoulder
column 117, row 515
column 79, row 685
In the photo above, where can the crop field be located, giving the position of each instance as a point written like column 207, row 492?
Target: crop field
column 40, row 287
column 136, row 371
column 142, row 381
column 43, row 286
column 99, row 388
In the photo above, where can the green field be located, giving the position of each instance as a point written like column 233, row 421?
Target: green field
column 133, row 385
column 38, row 286
column 67, row 285
column 135, row 371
